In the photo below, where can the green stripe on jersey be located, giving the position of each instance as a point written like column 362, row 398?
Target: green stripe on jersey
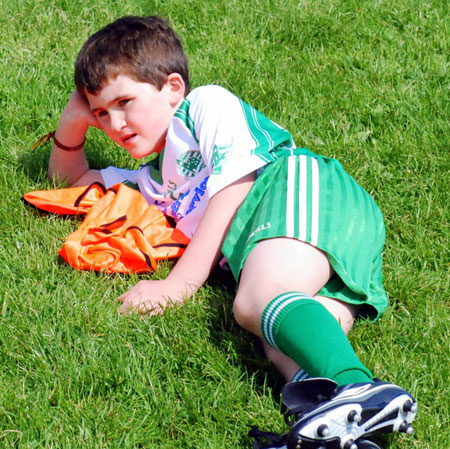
column 183, row 114
column 267, row 135
column 155, row 168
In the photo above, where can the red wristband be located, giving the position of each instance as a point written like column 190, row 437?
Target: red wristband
column 44, row 139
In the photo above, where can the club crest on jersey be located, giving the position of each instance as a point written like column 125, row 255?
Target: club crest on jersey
column 219, row 155
column 190, row 164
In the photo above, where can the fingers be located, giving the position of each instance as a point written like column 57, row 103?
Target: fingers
column 149, row 297
column 143, row 304
column 142, row 307
column 79, row 105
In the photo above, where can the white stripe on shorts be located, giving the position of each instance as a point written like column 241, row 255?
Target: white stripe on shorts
column 302, row 197
column 308, row 220
column 290, row 195
column 315, row 202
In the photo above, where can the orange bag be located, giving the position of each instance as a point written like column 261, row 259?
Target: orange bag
column 121, row 232
column 71, row 201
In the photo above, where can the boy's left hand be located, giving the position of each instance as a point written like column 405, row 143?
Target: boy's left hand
column 193, row 268
column 151, row 297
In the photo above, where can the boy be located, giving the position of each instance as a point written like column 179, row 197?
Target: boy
column 290, row 223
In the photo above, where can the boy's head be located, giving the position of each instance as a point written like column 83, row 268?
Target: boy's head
column 144, row 48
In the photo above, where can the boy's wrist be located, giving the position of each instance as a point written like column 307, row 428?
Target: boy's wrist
column 70, row 134
column 65, row 147
column 184, row 288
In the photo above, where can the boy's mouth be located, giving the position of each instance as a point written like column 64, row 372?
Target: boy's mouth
column 127, row 138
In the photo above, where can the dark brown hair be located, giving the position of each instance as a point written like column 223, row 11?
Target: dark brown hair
column 143, row 48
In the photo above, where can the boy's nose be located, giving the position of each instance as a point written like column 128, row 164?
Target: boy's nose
column 117, row 122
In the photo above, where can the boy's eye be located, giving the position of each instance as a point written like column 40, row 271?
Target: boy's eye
column 124, row 101
column 101, row 113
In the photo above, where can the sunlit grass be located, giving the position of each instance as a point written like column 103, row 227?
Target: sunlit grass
column 366, row 82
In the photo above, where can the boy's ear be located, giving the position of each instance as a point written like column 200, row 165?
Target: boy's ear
column 176, row 86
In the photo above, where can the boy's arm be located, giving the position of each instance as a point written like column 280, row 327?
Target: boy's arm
column 72, row 166
column 202, row 253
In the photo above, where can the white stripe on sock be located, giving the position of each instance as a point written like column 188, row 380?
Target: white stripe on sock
column 278, row 307
column 267, row 331
column 301, row 374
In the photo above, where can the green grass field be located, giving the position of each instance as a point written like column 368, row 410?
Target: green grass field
column 366, row 82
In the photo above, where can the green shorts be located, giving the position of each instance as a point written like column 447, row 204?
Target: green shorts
column 313, row 199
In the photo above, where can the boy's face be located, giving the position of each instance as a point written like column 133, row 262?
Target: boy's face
column 136, row 115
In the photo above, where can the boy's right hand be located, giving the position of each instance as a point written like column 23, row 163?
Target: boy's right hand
column 72, row 167
column 77, row 111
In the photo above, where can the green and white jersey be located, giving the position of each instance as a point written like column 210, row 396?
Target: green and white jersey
column 213, row 140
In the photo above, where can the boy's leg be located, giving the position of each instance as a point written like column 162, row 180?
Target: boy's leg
column 304, row 329
column 273, row 267
column 308, row 333
column 343, row 313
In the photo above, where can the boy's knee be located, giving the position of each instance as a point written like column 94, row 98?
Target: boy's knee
column 240, row 311
column 246, row 314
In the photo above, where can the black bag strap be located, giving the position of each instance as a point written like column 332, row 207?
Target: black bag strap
column 264, row 440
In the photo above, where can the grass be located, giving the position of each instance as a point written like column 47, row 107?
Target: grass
column 366, row 82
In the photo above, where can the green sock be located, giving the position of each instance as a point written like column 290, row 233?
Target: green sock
column 303, row 329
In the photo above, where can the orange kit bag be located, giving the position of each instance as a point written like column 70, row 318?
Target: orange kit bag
column 120, row 233
column 71, row 201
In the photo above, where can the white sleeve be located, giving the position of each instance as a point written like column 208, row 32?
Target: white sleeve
column 226, row 143
column 113, row 175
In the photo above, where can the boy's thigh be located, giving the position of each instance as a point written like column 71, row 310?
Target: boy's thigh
column 320, row 207
column 280, row 265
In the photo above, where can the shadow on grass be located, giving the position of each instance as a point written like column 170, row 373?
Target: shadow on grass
column 248, row 348
column 246, row 345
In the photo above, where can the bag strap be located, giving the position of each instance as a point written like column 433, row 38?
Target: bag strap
column 264, row 440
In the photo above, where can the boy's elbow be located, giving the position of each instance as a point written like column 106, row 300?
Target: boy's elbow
column 51, row 176
column 55, row 178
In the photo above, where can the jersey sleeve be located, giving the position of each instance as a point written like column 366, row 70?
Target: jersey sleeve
column 113, row 175
column 234, row 138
